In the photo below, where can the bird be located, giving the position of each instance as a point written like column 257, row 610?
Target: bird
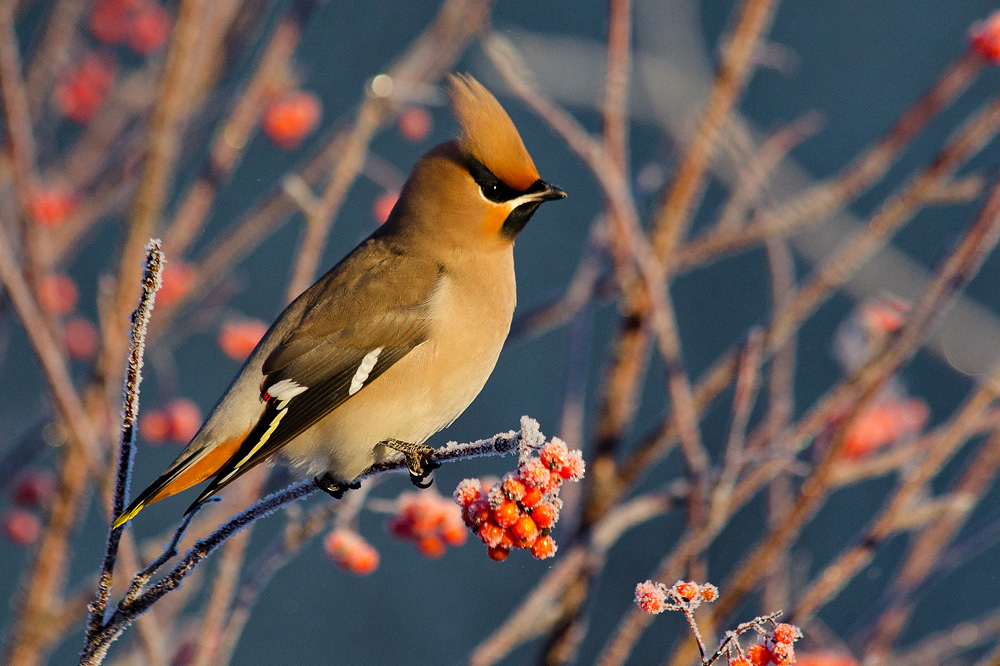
column 397, row 339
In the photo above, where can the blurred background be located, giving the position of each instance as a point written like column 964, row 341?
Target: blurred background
column 849, row 67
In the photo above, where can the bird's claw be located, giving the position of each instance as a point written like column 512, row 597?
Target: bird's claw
column 420, row 467
column 334, row 488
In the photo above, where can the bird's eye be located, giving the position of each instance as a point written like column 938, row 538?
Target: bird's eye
column 491, row 191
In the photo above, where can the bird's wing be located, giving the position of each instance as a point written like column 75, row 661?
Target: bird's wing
column 354, row 324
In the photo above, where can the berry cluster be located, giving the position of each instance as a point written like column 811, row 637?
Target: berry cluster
column 350, row 551
column 177, row 422
column 984, row 39
column 777, row 647
column 291, row 117
column 430, row 521
column 520, row 510
column 32, row 490
column 683, row 596
column 59, row 295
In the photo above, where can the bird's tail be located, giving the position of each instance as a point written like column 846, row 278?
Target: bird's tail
column 190, row 469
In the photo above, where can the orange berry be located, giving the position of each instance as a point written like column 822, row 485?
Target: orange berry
column 383, row 205
column 57, row 293
column 513, row 488
column 22, row 527
column 81, row 338
column 785, row 633
column 507, row 540
column 239, row 338
column 650, row 597
column 984, row 39
column 454, row 534
column 430, row 546
column 363, row 561
column 34, row 488
column 415, row 123
column 709, row 592
column 525, row 528
column 490, row 533
column 783, row 654
column 884, row 423
column 149, row 29
column 467, row 491
column 507, row 514
column 154, row 426
column 544, row 515
column 759, row 655
column 185, row 420
column 574, row 468
column 554, row 454
column 498, row 554
column 534, row 473
column 177, row 280
column 291, row 118
column 544, row 547
column 739, row 661
column 532, row 496
column 686, row 591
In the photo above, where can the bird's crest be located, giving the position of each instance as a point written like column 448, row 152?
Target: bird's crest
column 488, row 133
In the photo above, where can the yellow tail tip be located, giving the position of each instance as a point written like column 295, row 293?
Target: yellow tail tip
column 128, row 515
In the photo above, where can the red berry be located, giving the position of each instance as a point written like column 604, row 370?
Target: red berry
column 149, row 28
column 709, row 592
column 431, row 546
column 513, row 488
column 177, row 280
column 466, row 492
column 291, row 118
column 363, row 561
column 454, row 535
column 535, row 474
column 507, row 514
column 48, row 207
column 686, row 591
column 80, row 92
column 507, row 540
column 490, row 533
column 239, row 338
column 498, row 554
column 739, row 661
column 81, row 338
column 650, row 597
column 785, row 633
column 525, row 528
column 34, row 488
column 22, row 527
column 154, row 426
column 544, row 547
column 415, row 123
column 532, row 496
column 185, row 420
column 544, row 515
column 758, row 655
column 574, row 468
column 57, row 293
column 384, row 203
column 783, row 654
column 984, row 39
column 554, row 454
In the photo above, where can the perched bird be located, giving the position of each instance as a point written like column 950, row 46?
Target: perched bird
column 394, row 342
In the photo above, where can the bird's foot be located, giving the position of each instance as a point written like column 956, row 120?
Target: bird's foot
column 334, row 488
column 418, row 461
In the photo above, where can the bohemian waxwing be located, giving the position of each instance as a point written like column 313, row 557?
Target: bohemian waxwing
column 394, row 342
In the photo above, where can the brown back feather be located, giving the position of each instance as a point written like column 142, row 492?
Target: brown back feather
column 488, row 133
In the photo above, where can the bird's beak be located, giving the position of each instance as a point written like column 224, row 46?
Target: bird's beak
column 542, row 191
